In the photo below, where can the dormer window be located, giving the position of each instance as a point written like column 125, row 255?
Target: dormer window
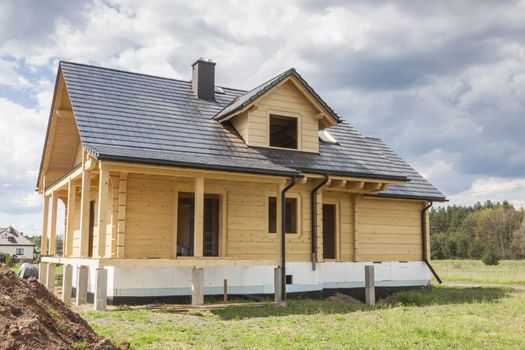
column 283, row 132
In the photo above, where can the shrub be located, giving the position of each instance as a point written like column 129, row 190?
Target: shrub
column 8, row 260
column 475, row 250
column 436, row 249
column 490, row 256
column 451, row 247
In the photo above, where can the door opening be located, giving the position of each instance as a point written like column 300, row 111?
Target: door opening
column 91, row 227
column 329, row 231
column 185, row 224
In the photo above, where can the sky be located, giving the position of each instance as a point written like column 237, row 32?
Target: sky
column 441, row 82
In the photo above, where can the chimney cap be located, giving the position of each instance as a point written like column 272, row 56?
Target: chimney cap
column 202, row 60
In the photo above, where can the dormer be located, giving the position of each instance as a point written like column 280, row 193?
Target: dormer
column 283, row 113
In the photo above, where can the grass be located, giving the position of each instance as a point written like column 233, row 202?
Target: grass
column 441, row 318
column 474, row 271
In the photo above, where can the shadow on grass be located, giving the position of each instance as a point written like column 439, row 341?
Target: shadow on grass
column 434, row 296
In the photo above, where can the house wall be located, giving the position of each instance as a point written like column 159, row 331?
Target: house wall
column 11, row 250
column 285, row 100
column 387, row 229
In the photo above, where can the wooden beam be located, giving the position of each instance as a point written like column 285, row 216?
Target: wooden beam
column 53, row 229
column 355, row 185
column 175, row 217
column 102, row 209
column 198, row 227
column 71, row 204
column 84, row 214
column 60, row 184
column 338, row 184
column 43, row 243
column 121, row 226
column 373, row 186
column 304, row 180
column 190, row 173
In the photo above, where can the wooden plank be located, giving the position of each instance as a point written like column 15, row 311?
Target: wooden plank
column 84, row 213
column 43, row 243
column 102, row 209
column 53, row 228
column 121, row 226
column 198, row 226
column 71, row 204
column 175, row 220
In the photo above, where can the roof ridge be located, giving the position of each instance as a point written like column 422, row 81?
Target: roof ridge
column 137, row 73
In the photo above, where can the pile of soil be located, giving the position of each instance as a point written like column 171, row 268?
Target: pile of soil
column 344, row 299
column 33, row 318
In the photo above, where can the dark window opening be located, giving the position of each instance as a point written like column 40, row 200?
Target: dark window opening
column 283, row 132
column 291, row 215
column 91, row 228
column 185, row 224
column 289, row 279
column 329, row 231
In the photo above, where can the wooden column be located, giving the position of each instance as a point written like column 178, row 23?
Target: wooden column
column 355, row 204
column 175, row 220
column 53, row 229
column 84, row 214
column 198, row 227
column 319, row 203
column 102, row 210
column 70, row 217
column 67, row 283
column 427, row 222
column 43, row 243
column 121, row 226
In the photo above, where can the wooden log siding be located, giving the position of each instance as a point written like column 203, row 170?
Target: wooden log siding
column 145, row 206
column 389, row 230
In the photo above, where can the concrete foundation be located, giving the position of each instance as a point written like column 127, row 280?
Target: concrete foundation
column 81, row 285
column 197, row 286
column 67, row 284
column 370, row 289
column 50, row 279
column 101, row 289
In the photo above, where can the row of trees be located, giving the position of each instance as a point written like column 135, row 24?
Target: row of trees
column 468, row 231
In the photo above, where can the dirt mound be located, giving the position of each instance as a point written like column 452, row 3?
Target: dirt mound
column 33, row 318
column 344, row 299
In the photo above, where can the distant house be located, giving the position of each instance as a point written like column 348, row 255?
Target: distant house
column 14, row 243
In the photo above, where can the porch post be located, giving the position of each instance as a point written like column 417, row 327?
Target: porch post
column 70, row 214
column 84, row 214
column 102, row 210
column 53, row 230
column 198, row 227
column 43, row 243
column 101, row 289
column 51, row 274
column 42, row 268
column 197, row 286
column 121, row 225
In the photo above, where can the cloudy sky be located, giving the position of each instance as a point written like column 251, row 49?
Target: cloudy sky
column 443, row 83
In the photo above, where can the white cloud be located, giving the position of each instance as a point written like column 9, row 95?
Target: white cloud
column 495, row 189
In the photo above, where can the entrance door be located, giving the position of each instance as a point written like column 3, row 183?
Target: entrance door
column 329, row 231
column 185, row 224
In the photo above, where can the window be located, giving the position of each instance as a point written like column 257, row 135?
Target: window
column 19, row 251
column 291, row 215
column 283, row 132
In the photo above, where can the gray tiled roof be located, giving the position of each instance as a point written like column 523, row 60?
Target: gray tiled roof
column 148, row 119
column 250, row 96
column 418, row 187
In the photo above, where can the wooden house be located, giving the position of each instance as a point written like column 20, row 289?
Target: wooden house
column 171, row 187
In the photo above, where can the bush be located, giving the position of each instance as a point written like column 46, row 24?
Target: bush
column 451, row 247
column 475, row 250
column 8, row 260
column 436, row 248
column 490, row 256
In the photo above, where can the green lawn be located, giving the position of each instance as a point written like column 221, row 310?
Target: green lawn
column 443, row 318
column 507, row 272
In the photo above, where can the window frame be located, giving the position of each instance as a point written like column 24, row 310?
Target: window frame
column 18, row 250
column 298, row 212
column 284, row 114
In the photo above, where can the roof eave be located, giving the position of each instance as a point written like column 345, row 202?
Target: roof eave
column 415, row 197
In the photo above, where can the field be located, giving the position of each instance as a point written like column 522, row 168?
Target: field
column 440, row 318
column 474, row 271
